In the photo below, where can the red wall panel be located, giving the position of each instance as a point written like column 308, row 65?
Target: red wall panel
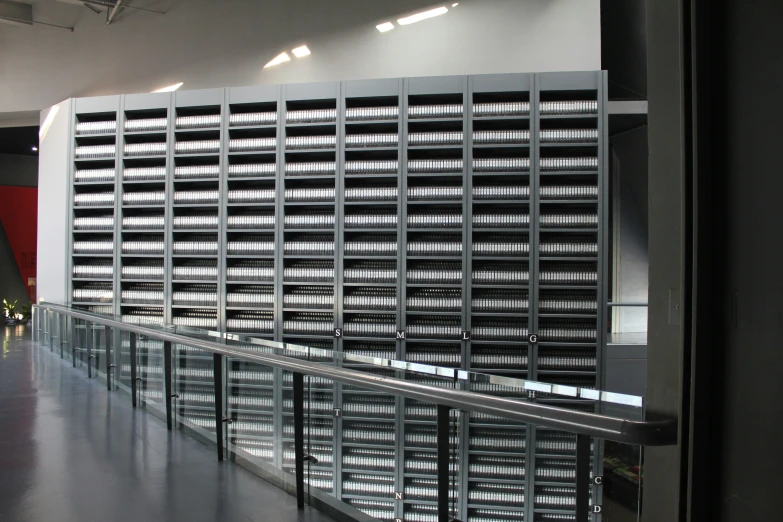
column 19, row 216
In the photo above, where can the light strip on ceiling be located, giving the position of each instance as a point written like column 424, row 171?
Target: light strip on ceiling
column 301, row 52
column 277, row 60
column 424, row 15
column 385, row 27
column 170, row 88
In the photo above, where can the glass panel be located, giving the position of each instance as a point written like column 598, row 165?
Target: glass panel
column 555, row 475
column 420, row 464
column 68, row 350
column 81, row 343
column 496, row 468
column 124, row 365
column 149, row 355
column 250, row 405
column 620, row 496
column 193, row 386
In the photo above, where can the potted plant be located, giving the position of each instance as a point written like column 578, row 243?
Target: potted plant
column 9, row 310
column 26, row 313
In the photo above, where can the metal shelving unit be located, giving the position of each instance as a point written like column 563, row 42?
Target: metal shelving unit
column 436, row 220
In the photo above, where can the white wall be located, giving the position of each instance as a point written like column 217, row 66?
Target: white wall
column 219, row 43
column 53, row 228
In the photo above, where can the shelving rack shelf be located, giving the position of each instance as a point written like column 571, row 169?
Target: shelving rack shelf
column 438, row 220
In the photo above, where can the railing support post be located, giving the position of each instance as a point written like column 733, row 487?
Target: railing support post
column 443, row 463
column 90, row 356
column 299, row 437
column 582, row 478
column 169, row 396
column 34, row 318
column 74, row 341
column 218, row 381
column 109, row 339
column 50, row 320
column 133, row 362
column 62, row 330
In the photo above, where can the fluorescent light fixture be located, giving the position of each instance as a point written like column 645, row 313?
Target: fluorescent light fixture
column 301, row 52
column 455, row 4
column 170, row 88
column 35, row 149
column 418, row 17
column 277, row 60
column 47, row 122
column 385, row 27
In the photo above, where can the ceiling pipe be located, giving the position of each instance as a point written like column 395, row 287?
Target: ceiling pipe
column 105, row 3
column 112, row 12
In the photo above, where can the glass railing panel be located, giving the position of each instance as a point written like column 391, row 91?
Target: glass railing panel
column 376, row 452
column 124, row 373
column 375, row 356
column 420, row 450
column 150, row 367
column 251, row 396
column 619, row 494
column 496, row 468
column 193, row 387
column 80, row 350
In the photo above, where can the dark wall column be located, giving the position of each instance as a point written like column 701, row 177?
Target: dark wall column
column 667, row 209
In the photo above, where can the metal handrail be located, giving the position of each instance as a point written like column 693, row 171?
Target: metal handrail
column 584, row 425
column 645, row 433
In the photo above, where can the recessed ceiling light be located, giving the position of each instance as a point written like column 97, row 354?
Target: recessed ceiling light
column 35, row 149
column 455, row 4
column 277, row 60
column 418, row 17
column 301, row 52
column 170, row 88
column 385, row 27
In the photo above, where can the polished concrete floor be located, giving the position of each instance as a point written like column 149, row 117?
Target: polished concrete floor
column 72, row 452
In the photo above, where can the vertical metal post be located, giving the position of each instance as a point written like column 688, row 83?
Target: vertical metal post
column 33, row 319
column 50, row 321
column 582, row 478
column 443, row 463
column 218, row 380
column 61, row 333
column 74, row 340
column 299, row 437
column 88, row 329
column 168, row 395
column 108, row 339
column 133, row 366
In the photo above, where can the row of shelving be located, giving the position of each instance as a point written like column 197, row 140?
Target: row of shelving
column 239, row 119
column 391, row 193
column 415, row 166
column 323, row 272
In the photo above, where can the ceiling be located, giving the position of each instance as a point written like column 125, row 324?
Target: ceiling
column 19, row 140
